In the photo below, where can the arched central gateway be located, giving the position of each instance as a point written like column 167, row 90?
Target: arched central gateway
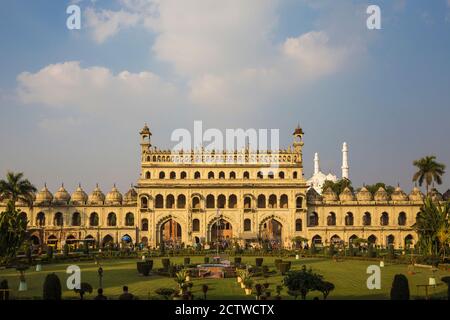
column 170, row 232
column 221, row 230
column 271, row 230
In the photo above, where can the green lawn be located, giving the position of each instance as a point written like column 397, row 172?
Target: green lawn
column 349, row 278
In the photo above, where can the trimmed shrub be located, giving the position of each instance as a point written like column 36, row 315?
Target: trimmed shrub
column 312, row 249
column 52, row 287
column 371, row 252
column 400, row 288
column 140, row 266
column 206, row 259
column 146, row 268
column 166, row 263
column 259, row 262
column 390, row 252
column 284, row 267
column 187, row 261
column 66, row 250
column 237, row 260
column 50, row 252
column 277, row 263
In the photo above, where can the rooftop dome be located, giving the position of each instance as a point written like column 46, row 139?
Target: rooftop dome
column 97, row 196
column 416, row 195
column 381, row 195
column 313, row 195
column 114, row 196
column 79, row 196
column 364, row 195
column 329, row 195
column 435, row 195
column 62, row 196
column 399, row 195
column 131, row 196
column 347, row 195
column 44, row 196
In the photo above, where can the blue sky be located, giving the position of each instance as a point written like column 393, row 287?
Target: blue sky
column 72, row 102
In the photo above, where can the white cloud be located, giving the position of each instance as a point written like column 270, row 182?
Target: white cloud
column 94, row 89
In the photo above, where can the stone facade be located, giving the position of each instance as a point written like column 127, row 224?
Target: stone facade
column 192, row 197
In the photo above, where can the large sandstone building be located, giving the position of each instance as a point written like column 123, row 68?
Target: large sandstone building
column 193, row 197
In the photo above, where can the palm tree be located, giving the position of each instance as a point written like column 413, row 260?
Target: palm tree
column 429, row 171
column 16, row 188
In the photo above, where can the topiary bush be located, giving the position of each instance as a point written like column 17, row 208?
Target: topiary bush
column 400, row 288
column 187, row 261
column 259, row 262
column 237, row 260
column 277, row 263
column 371, row 252
column 206, row 259
column 52, row 287
column 166, row 263
column 284, row 267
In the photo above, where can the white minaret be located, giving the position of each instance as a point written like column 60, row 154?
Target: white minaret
column 316, row 164
column 345, row 160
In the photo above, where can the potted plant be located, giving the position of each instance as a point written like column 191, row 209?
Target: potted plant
column 248, row 284
column 180, row 278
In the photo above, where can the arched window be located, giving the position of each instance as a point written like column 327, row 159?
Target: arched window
column 284, row 201
column 247, row 202
column 129, row 219
column 144, row 225
column 349, row 219
column 181, row 201
column 147, row 175
column 232, row 175
column 159, row 201
column 162, row 175
column 40, row 219
column 221, row 201
column 261, row 201
column 313, row 219
column 259, row 175
column 372, row 239
column 247, row 225
column 209, row 201
column 298, row 225
column 197, row 175
column 367, row 219
column 384, row 220
column 196, row 225
column 196, row 203
column 232, row 201
column 210, row 175
column 272, row 201
column 316, row 239
column 281, row 175
column 112, row 219
column 76, row 219
column 270, row 175
column 221, row 175
column 93, row 219
column 246, row 175
column 390, row 240
column 331, row 219
column 170, row 201
column 173, row 175
column 402, row 219
column 58, row 220
column 299, row 202
column 144, row 202
column 183, row 175
column 294, row 175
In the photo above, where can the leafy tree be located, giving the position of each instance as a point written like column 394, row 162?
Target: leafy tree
column 400, row 288
column 337, row 186
column 373, row 188
column 13, row 232
column 16, row 188
column 301, row 282
column 428, row 170
column 432, row 226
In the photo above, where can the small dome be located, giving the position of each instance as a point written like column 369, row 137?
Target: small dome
column 364, row 195
column 381, row 195
column 399, row 195
column 131, row 196
column 114, row 196
column 416, row 195
column 435, row 195
column 79, row 196
column 347, row 195
column 146, row 130
column 62, row 196
column 313, row 195
column 44, row 196
column 97, row 196
column 330, row 195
